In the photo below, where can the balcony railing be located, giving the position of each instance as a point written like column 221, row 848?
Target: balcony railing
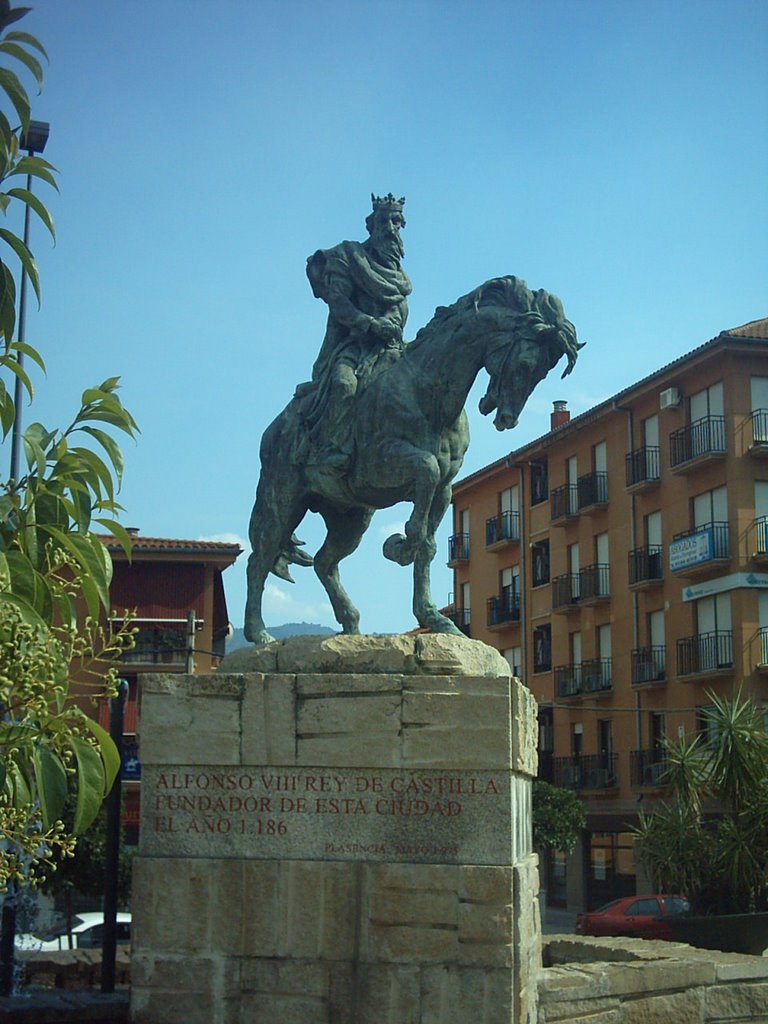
column 461, row 618
column 157, row 645
column 594, row 582
column 596, row 675
column 546, row 768
column 565, row 502
column 592, row 489
column 647, row 767
column 504, row 526
column 649, row 664
column 504, row 608
column 763, row 655
column 565, row 591
column 702, row 437
column 705, row 652
column 760, row 430
column 586, row 771
column 697, row 547
column 591, row 676
column 643, row 466
column 646, row 564
column 568, row 680
column 761, row 537
column 458, row 548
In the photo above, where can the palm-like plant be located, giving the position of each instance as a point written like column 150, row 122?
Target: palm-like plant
column 719, row 860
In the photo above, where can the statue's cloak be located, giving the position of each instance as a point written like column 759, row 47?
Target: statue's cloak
column 356, row 287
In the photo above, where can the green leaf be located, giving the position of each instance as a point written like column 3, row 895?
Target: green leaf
column 108, row 751
column 36, row 167
column 30, row 351
column 27, row 260
column 17, row 94
column 16, row 368
column 36, row 204
column 51, row 779
column 90, row 783
column 89, row 558
column 95, row 469
column 25, row 37
column 112, row 449
column 119, row 533
column 11, row 14
column 7, row 303
column 13, row 49
column 21, row 789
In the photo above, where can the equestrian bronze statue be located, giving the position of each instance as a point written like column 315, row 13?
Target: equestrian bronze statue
column 383, row 421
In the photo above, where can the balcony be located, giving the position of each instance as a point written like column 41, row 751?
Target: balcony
column 649, row 665
column 157, row 645
column 643, row 467
column 705, row 654
column 759, row 446
column 596, row 675
column 564, row 504
column 590, row 771
column 700, row 441
column 565, row 592
column 647, row 767
column 592, row 490
column 458, row 548
column 504, row 609
column 594, row 583
column 646, row 566
column 577, row 679
column 696, row 550
column 460, row 617
column 760, row 547
column 762, row 637
column 502, row 529
column 568, row 680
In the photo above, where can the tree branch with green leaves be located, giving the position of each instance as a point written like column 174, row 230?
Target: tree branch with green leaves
column 55, row 571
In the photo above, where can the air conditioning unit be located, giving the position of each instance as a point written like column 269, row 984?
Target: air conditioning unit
column 670, row 399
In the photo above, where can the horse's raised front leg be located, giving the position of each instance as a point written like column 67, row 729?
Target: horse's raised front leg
column 422, row 468
column 276, row 514
column 424, row 607
column 345, row 531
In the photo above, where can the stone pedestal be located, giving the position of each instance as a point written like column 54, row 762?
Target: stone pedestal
column 337, row 831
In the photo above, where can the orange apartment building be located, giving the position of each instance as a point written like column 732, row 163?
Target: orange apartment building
column 164, row 581
column 620, row 563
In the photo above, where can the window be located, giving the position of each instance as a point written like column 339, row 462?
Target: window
column 540, row 553
column 706, row 420
column 542, row 648
column 539, row 482
column 643, row 907
column 759, row 389
column 514, row 656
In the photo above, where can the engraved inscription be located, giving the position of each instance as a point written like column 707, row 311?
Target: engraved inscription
column 344, row 814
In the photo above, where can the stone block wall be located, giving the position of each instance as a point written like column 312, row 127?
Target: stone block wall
column 338, row 832
column 635, row 981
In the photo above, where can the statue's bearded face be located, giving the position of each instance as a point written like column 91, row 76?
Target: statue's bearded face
column 385, row 234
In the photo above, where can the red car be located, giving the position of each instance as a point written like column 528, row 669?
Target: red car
column 644, row 917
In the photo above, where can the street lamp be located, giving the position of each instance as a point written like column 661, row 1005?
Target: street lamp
column 33, row 140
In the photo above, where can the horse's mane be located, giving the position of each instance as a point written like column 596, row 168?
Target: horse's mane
column 537, row 309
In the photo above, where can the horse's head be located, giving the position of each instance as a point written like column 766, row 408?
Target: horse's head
column 529, row 336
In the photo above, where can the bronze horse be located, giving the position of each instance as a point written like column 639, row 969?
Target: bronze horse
column 410, row 436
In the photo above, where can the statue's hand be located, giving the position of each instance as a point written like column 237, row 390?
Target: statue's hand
column 386, row 329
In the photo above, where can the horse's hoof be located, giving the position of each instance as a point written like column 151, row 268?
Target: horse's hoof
column 259, row 637
column 442, row 624
column 397, row 548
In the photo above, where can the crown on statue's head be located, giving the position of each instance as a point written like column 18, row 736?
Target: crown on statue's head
column 387, row 202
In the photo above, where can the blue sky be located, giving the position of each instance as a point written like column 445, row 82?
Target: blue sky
column 614, row 153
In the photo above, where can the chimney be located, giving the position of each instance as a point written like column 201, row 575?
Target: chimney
column 559, row 415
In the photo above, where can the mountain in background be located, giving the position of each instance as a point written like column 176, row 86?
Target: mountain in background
column 280, row 632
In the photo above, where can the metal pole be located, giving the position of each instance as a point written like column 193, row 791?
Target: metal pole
column 18, row 389
column 113, row 802
column 191, row 629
